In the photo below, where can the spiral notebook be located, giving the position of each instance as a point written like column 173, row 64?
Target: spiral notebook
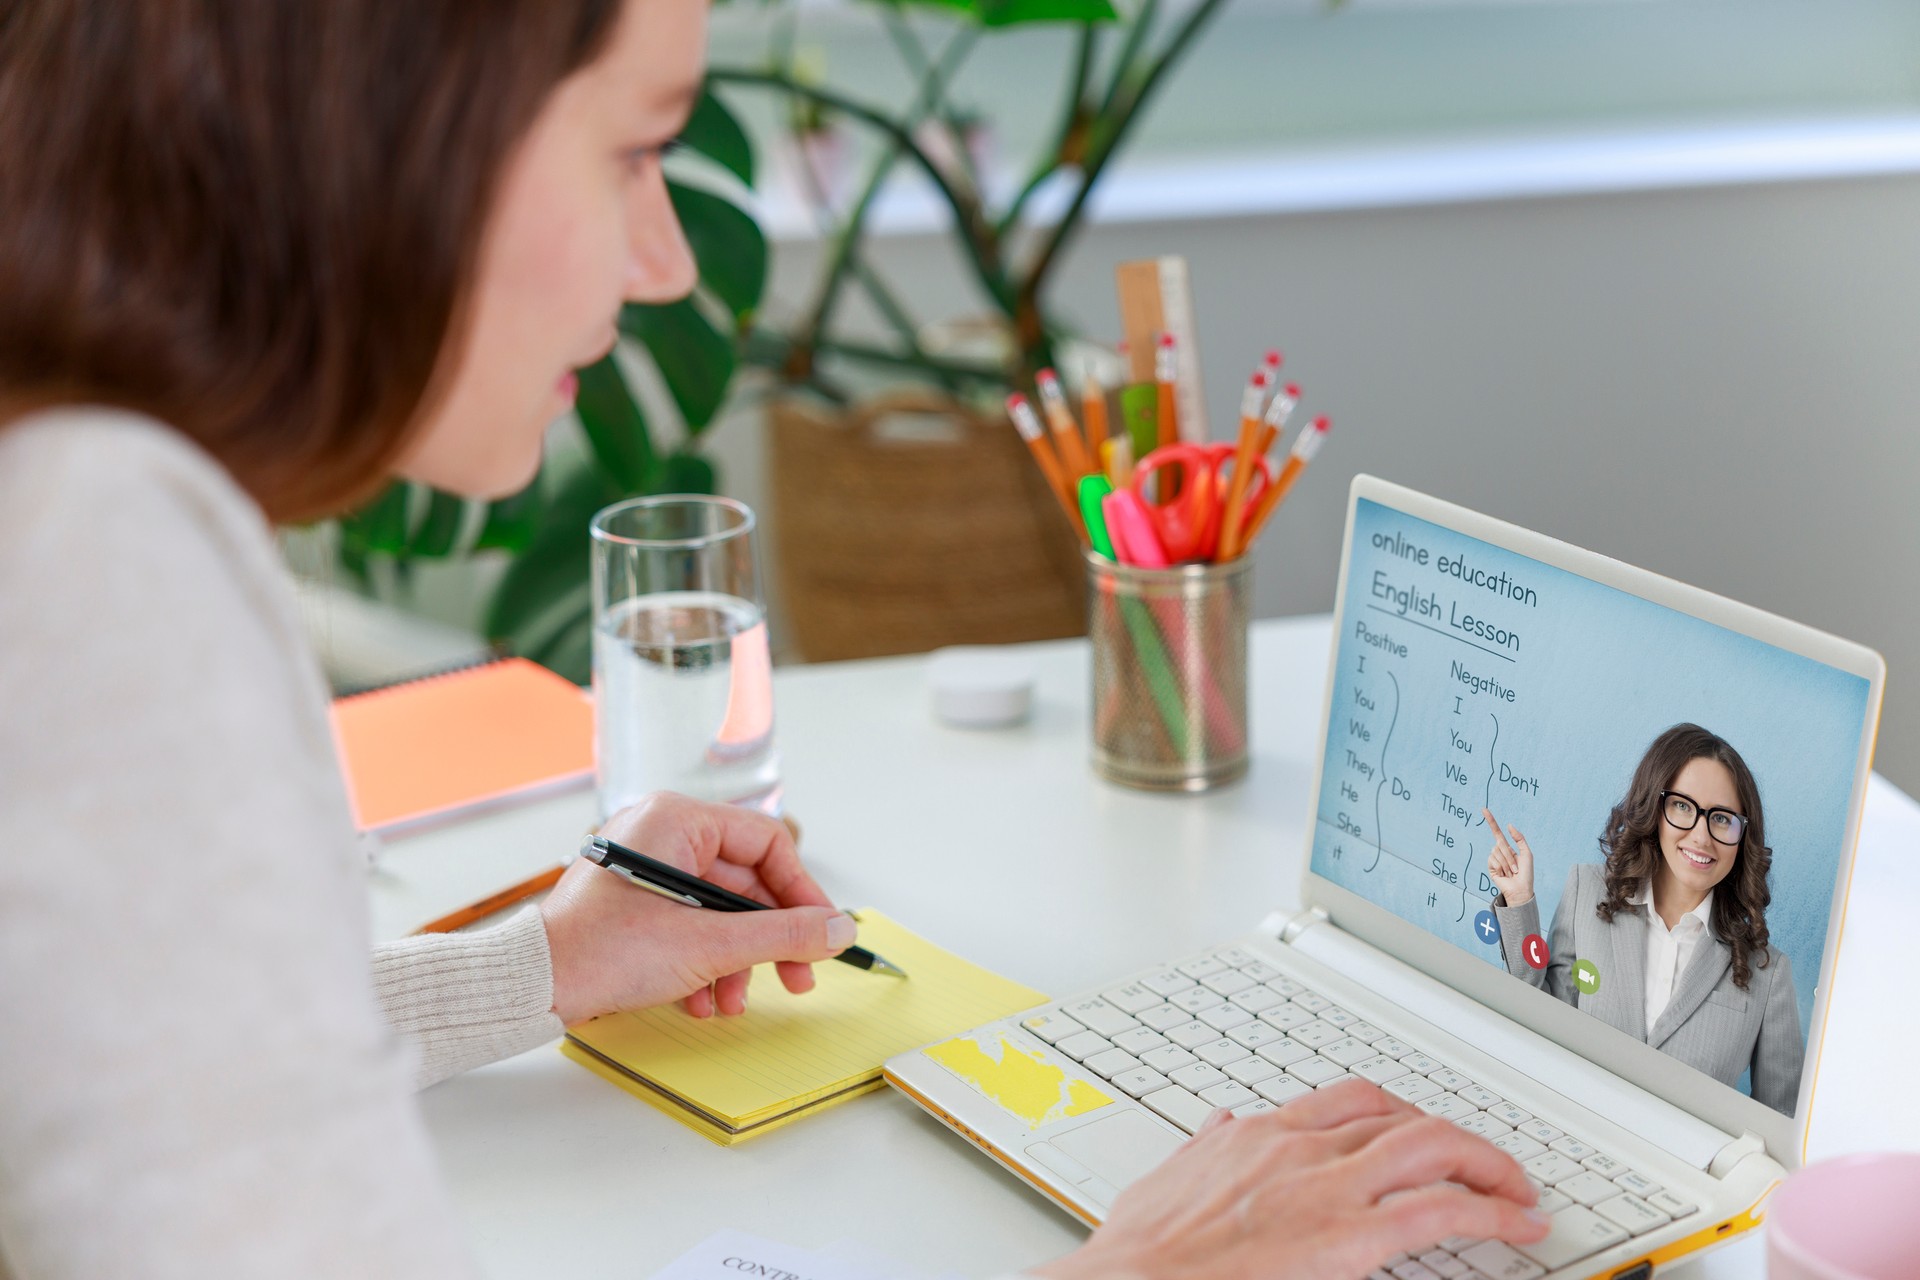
column 428, row 750
column 789, row 1056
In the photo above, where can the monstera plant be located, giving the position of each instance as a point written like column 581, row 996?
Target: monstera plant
column 540, row 608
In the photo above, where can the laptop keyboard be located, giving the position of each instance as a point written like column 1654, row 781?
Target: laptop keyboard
column 1226, row 1029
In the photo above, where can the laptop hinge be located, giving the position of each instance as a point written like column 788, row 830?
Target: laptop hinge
column 1583, row 1083
column 1286, row 924
column 1747, row 1144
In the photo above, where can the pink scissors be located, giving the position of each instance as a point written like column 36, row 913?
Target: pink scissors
column 1188, row 523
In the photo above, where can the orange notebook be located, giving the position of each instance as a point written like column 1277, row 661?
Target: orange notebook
column 419, row 752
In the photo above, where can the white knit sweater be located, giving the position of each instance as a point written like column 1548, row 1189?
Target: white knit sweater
column 199, row 1075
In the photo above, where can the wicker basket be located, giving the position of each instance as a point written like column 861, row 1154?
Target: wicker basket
column 909, row 522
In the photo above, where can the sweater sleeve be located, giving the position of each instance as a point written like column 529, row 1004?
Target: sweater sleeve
column 466, row 999
column 195, row 1078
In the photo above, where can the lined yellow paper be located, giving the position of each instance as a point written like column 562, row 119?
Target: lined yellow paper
column 788, row 1055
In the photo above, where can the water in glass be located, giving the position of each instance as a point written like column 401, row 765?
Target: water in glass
column 683, row 686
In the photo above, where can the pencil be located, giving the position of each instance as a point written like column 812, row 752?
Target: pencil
column 1116, row 456
column 1027, row 423
column 1272, row 365
column 1278, row 410
column 497, row 902
column 1066, row 432
column 1093, row 407
column 1243, row 456
column 1304, row 448
column 1166, row 374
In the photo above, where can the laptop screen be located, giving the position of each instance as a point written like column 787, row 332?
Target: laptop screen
column 1672, row 797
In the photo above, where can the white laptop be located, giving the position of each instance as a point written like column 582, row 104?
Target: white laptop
column 1477, row 665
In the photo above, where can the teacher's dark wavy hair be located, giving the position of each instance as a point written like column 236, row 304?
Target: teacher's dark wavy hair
column 257, row 220
column 1631, row 843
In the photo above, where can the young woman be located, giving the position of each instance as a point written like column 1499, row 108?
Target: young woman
column 1674, row 921
column 257, row 257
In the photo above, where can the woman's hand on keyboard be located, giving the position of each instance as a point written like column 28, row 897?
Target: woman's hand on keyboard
column 1329, row 1186
column 616, row 946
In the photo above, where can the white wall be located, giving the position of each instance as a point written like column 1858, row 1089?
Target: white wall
column 1581, row 364
column 1718, row 384
column 1289, row 71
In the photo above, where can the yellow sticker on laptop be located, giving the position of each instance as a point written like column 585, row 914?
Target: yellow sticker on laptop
column 1024, row 1084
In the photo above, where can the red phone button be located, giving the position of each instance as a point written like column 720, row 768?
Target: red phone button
column 1535, row 950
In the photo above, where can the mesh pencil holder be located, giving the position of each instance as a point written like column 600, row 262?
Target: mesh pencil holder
column 1169, row 672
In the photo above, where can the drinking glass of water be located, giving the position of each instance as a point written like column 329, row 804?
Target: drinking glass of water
column 682, row 675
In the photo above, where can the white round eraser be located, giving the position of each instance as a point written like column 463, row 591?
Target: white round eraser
column 980, row 687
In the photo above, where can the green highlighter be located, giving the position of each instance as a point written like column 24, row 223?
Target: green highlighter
column 1093, row 492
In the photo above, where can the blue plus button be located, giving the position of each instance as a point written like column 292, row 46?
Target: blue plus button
column 1487, row 927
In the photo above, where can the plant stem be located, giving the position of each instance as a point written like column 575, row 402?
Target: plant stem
column 771, row 349
column 1070, row 118
column 896, row 315
column 844, row 256
column 784, row 60
column 922, row 66
column 1129, row 52
column 785, row 26
column 977, row 234
column 1119, row 120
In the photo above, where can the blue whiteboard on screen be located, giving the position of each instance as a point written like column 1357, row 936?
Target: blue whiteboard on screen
column 1469, row 677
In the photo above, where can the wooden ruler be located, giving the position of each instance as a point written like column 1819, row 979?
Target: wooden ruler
column 1156, row 296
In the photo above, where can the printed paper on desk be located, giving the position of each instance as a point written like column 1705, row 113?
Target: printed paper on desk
column 863, row 1258
column 729, row 1255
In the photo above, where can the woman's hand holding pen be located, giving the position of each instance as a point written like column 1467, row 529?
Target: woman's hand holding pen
column 1510, row 863
column 1326, row 1188
column 616, row 946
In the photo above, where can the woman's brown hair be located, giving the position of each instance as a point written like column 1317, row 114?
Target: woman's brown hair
column 1631, row 843
column 257, row 220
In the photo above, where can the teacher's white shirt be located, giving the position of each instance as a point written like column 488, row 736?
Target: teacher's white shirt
column 1668, row 950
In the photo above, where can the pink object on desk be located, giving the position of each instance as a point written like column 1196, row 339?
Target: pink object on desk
column 1131, row 529
column 1850, row 1218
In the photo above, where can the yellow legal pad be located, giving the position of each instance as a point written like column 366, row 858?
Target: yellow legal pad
column 788, row 1056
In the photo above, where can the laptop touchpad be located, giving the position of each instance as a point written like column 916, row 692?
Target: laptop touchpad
column 1120, row 1147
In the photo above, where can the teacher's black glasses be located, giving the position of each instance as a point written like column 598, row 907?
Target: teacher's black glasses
column 1683, row 812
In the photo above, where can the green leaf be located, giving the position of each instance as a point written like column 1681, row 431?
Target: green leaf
column 381, row 525
column 713, row 131
column 727, row 244
column 354, row 561
column 512, row 520
column 1014, row 13
column 696, row 361
column 682, row 472
column 615, row 427
column 439, row 527
column 545, row 632
column 570, row 650
column 555, row 562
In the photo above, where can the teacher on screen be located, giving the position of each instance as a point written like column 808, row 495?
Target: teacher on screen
column 1674, row 922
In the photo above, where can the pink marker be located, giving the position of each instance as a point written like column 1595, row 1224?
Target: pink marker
column 1129, row 525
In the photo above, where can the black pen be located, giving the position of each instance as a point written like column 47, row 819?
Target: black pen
column 671, row 882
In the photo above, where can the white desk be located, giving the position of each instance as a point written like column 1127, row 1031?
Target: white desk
column 558, row 1172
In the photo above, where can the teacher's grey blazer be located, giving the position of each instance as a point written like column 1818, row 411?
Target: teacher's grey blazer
column 1710, row 1023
